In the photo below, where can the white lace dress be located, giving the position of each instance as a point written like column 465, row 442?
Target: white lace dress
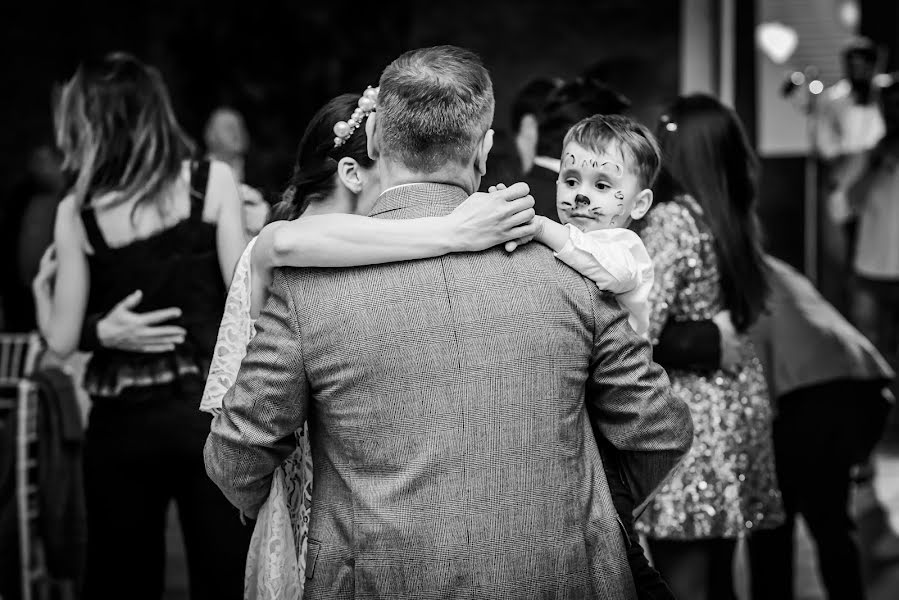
column 276, row 561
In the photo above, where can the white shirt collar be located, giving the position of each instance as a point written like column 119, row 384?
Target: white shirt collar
column 550, row 164
column 396, row 187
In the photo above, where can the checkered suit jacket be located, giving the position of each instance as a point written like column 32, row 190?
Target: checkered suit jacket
column 453, row 452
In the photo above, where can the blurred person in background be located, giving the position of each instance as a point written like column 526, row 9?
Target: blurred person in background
column 566, row 105
column 136, row 218
column 526, row 110
column 228, row 140
column 874, row 198
column 27, row 231
column 832, row 399
column 848, row 124
column 704, row 240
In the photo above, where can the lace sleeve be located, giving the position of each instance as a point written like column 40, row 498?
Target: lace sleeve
column 235, row 333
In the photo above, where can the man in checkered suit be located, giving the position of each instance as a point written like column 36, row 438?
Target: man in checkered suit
column 451, row 402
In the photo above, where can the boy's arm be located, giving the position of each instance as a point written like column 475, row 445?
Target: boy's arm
column 614, row 259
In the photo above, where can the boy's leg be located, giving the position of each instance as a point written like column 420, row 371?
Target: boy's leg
column 647, row 580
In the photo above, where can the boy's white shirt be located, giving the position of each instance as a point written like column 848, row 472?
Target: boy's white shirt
column 617, row 261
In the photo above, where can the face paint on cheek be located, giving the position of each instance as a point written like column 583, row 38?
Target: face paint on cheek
column 619, row 196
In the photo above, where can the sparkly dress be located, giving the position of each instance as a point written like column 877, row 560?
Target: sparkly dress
column 726, row 485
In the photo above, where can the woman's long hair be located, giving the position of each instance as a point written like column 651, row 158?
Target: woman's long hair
column 117, row 131
column 317, row 157
column 706, row 154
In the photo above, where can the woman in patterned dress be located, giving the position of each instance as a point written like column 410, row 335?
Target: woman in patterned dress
column 705, row 244
column 330, row 181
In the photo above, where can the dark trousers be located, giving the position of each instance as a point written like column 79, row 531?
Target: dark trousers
column 819, row 434
column 143, row 450
column 647, row 580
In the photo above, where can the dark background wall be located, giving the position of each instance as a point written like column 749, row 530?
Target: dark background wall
column 277, row 61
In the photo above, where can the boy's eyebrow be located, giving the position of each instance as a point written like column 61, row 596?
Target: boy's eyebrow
column 610, row 167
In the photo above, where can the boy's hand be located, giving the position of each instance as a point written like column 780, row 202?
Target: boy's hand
column 538, row 222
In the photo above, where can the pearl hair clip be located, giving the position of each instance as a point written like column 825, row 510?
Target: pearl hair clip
column 367, row 105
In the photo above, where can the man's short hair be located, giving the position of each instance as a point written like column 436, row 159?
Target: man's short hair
column 434, row 107
column 637, row 144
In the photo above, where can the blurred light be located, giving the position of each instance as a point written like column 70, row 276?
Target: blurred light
column 882, row 80
column 777, row 41
column 816, row 87
column 671, row 126
column 797, row 78
column 850, row 14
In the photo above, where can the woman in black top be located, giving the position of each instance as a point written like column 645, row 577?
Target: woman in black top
column 141, row 216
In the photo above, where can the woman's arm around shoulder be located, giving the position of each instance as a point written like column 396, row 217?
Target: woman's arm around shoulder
column 343, row 240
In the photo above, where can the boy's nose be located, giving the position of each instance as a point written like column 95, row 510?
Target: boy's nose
column 581, row 200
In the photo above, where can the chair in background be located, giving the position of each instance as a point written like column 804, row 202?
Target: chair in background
column 19, row 401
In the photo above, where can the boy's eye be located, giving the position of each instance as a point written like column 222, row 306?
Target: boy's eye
column 602, row 186
column 571, row 182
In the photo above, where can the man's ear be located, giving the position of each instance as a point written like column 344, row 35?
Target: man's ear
column 480, row 158
column 348, row 172
column 371, row 132
column 642, row 204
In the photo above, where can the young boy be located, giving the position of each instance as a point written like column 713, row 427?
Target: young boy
column 607, row 168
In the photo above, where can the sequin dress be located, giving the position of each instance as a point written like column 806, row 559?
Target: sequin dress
column 726, row 485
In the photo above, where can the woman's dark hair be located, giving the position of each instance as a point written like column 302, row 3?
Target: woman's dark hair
column 117, row 131
column 706, row 154
column 317, row 158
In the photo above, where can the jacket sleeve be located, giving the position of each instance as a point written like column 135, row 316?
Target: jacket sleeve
column 631, row 405
column 268, row 402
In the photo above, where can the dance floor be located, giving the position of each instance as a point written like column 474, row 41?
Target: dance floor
column 876, row 507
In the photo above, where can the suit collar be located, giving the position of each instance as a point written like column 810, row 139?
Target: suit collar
column 419, row 200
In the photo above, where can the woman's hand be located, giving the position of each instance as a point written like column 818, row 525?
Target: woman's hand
column 46, row 274
column 486, row 220
column 731, row 345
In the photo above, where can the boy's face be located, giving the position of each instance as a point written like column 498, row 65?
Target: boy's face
column 598, row 191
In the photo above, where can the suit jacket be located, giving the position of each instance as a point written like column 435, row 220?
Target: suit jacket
column 803, row 341
column 452, row 449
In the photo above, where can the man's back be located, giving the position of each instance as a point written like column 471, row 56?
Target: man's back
column 449, row 418
column 452, row 447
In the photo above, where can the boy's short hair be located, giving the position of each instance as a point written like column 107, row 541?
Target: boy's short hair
column 633, row 139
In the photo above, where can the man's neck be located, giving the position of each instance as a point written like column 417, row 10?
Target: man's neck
column 393, row 174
